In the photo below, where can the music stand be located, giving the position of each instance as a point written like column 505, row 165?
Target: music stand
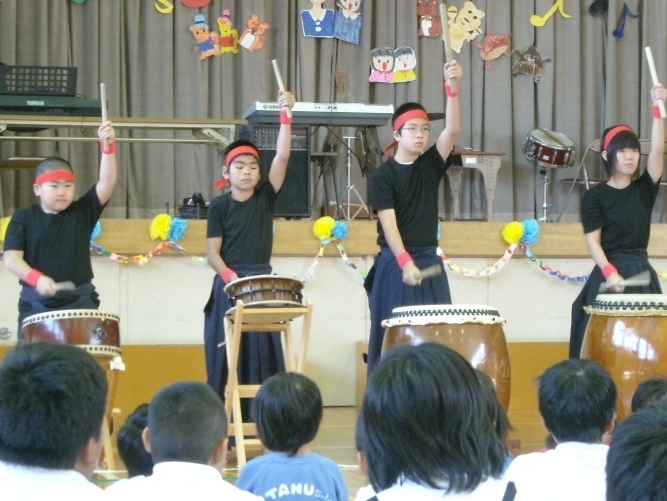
column 350, row 187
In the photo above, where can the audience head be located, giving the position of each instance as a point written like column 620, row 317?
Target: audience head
column 494, row 409
column 636, row 462
column 577, row 401
column 649, row 391
column 187, row 423
column 424, row 420
column 287, row 411
column 360, row 442
column 52, row 402
column 131, row 446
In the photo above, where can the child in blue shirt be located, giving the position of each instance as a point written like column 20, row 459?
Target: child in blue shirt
column 288, row 411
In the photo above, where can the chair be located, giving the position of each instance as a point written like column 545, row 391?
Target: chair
column 17, row 164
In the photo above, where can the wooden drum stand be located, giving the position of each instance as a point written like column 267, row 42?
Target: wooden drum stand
column 242, row 319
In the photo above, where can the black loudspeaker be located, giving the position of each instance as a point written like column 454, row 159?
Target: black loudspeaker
column 294, row 198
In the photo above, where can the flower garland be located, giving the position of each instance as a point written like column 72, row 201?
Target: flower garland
column 4, row 223
column 328, row 230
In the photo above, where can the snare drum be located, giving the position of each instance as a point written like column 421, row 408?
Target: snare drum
column 93, row 330
column 476, row 332
column 627, row 335
column 265, row 290
column 548, row 148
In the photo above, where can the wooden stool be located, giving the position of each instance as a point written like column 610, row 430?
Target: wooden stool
column 113, row 370
column 258, row 319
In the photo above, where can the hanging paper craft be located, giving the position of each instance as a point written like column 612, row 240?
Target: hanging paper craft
column 493, row 47
column 253, row 37
column 598, row 8
column 620, row 31
column 208, row 42
column 347, row 22
column 229, row 37
column 164, row 6
column 430, row 24
column 559, row 6
column 195, row 4
column 464, row 24
column 382, row 65
column 317, row 22
column 530, row 63
column 404, row 65
column 328, row 230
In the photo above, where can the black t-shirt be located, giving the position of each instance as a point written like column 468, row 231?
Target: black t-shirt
column 412, row 191
column 623, row 215
column 246, row 227
column 58, row 245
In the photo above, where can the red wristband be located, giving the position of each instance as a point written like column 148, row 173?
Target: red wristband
column 107, row 150
column 227, row 274
column 656, row 111
column 403, row 259
column 285, row 119
column 608, row 270
column 449, row 91
column 33, row 277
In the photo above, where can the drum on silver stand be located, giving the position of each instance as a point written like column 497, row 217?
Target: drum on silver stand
column 549, row 150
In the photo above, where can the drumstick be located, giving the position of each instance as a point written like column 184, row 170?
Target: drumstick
column 640, row 279
column 65, row 286
column 103, row 99
column 654, row 76
column 431, row 271
column 448, row 43
column 281, row 85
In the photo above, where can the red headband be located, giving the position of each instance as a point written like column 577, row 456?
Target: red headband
column 612, row 133
column 55, row 175
column 240, row 150
column 402, row 119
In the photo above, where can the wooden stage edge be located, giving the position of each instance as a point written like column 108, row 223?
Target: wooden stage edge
column 295, row 238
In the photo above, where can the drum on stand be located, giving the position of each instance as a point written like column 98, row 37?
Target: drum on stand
column 474, row 331
column 93, row 330
column 267, row 291
column 627, row 335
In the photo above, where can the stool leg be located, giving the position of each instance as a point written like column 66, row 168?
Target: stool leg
column 305, row 338
column 289, row 347
column 232, row 399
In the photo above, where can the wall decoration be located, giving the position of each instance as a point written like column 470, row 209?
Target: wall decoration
column 318, row 21
column 253, row 37
column 404, row 65
column 464, row 24
column 229, row 37
column 347, row 21
column 620, row 31
column 195, row 4
column 382, row 65
column 328, row 230
column 493, row 47
column 559, row 6
column 208, row 42
column 164, row 6
column 529, row 62
column 430, row 24
column 598, row 8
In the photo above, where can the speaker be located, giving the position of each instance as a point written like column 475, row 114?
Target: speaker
column 294, row 197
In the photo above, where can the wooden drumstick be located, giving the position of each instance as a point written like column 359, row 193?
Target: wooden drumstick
column 281, row 85
column 431, row 271
column 65, row 286
column 453, row 84
column 654, row 77
column 640, row 279
column 103, row 99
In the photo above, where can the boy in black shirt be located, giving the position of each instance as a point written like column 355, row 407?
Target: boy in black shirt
column 404, row 190
column 49, row 242
column 239, row 243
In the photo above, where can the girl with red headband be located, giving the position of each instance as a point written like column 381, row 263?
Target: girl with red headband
column 49, row 242
column 404, row 190
column 616, row 216
column 239, row 244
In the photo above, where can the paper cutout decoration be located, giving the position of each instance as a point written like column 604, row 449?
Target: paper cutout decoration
column 253, row 37
column 598, row 8
column 493, row 47
column 620, row 31
column 538, row 21
column 195, row 4
column 430, row 24
column 347, row 21
column 167, row 6
column 76, row 1
column 318, row 22
column 382, row 65
column 530, row 63
column 464, row 24
column 404, row 65
column 208, row 42
column 229, row 37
